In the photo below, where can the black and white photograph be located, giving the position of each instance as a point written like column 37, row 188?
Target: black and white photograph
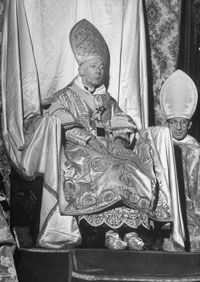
column 100, row 140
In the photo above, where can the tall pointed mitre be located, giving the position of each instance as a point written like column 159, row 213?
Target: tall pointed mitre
column 87, row 42
column 178, row 97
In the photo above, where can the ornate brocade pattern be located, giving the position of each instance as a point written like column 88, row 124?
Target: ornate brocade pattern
column 5, row 234
column 5, row 170
column 81, row 184
column 117, row 217
column 7, row 269
column 163, row 26
column 93, row 181
column 87, row 42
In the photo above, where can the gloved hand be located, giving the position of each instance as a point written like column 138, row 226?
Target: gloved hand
column 122, row 120
column 98, row 146
column 119, row 149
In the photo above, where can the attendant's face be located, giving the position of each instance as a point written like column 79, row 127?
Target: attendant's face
column 92, row 72
column 179, row 127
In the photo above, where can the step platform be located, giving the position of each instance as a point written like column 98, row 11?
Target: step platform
column 41, row 265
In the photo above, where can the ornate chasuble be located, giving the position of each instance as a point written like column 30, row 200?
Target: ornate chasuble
column 81, row 181
column 92, row 182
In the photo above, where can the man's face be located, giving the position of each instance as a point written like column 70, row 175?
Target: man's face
column 92, row 72
column 179, row 127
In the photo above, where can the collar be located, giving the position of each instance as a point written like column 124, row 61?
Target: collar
column 98, row 91
column 184, row 141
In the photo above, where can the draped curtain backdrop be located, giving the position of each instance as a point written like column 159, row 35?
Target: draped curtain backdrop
column 37, row 58
column 163, row 24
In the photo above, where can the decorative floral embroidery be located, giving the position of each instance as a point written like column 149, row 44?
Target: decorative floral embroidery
column 92, row 182
column 144, row 204
column 162, row 198
column 5, row 169
column 127, row 179
column 69, row 171
column 194, row 234
column 87, row 200
column 163, row 26
column 77, row 154
column 98, row 164
column 108, row 196
column 73, row 99
column 144, row 157
column 117, row 217
column 134, row 197
column 8, row 272
column 69, row 191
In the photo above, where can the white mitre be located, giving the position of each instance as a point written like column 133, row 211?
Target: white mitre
column 178, row 97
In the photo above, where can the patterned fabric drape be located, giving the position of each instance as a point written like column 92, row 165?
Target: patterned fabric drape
column 163, row 19
column 4, row 163
column 7, row 268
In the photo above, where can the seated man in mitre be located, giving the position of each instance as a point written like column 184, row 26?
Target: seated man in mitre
column 110, row 177
column 178, row 102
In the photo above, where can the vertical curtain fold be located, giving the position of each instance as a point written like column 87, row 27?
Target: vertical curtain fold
column 20, row 92
column 133, row 96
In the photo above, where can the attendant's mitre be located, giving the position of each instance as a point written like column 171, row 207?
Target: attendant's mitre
column 87, row 42
column 178, row 97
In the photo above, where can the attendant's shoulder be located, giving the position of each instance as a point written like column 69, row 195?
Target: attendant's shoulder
column 190, row 140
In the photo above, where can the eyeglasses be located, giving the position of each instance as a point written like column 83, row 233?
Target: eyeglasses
column 182, row 123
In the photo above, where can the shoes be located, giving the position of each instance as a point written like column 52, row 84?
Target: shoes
column 131, row 240
column 134, row 243
column 113, row 241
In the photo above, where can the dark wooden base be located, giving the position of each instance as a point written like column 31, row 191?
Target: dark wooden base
column 39, row 265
